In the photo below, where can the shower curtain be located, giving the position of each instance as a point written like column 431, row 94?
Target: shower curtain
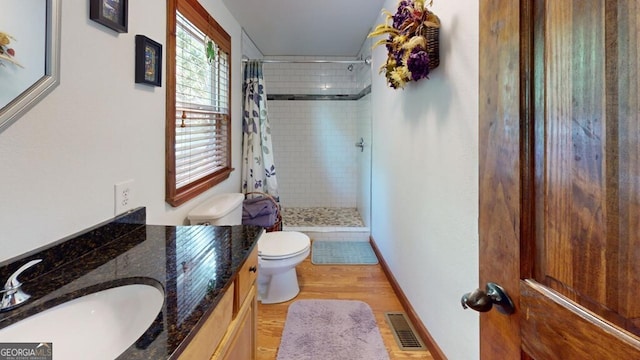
column 258, row 168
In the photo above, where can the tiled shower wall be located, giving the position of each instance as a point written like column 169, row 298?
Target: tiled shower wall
column 314, row 140
column 363, row 197
column 313, row 145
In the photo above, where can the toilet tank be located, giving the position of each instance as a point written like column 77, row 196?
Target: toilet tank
column 220, row 209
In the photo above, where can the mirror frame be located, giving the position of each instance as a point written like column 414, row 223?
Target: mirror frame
column 41, row 88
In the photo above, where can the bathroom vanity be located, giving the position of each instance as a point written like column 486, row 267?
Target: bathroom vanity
column 229, row 332
column 206, row 273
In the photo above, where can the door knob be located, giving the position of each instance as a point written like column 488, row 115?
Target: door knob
column 484, row 300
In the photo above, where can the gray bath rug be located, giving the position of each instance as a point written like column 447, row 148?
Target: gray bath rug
column 342, row 253
column 331, row 330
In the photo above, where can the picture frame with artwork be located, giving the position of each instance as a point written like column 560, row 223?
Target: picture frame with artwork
column 148, row 61
column 110, row 13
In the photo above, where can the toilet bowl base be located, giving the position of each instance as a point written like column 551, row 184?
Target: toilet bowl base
column 277, row 288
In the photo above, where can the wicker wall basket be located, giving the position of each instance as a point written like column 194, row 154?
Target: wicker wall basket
column 432, row 34
column 404, row 36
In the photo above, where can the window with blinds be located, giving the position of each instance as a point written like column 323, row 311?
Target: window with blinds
column 200, row 154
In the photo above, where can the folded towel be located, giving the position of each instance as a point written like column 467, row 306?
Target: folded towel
column 265, row 220
column 252, row 208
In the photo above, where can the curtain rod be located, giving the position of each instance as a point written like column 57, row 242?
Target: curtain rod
column 265, row 61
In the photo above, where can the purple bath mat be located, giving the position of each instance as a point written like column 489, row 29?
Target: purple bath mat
column 331, row 330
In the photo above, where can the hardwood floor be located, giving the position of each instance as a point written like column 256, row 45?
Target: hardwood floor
column 367, row 283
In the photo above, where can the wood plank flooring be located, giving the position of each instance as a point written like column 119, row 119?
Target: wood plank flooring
column 367, row 283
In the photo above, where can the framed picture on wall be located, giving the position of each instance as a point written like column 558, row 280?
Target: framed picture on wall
column 148, row 61
column 110, row 13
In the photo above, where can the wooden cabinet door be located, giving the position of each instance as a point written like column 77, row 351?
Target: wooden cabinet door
column 560, row 177
column 243, row 344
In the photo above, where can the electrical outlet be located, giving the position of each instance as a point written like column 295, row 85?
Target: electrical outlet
column 123, row 196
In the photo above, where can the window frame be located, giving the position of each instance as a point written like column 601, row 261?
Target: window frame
column 198, row 16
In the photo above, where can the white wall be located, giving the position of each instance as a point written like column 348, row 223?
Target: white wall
column 249, row 48
column 61, row 160
column 425, row 181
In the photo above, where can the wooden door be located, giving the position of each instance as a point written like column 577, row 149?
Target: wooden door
column 560, row 177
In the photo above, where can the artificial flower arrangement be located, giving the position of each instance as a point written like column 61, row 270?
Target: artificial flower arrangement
column 412, row 42
column 7, row 53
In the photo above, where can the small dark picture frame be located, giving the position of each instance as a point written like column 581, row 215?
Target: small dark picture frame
column 148, row 61
column 110, row 13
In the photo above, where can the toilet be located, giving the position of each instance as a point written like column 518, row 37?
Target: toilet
column 279, row 252
column 220, row 209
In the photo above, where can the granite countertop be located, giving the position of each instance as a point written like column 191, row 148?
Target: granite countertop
column 194, row 265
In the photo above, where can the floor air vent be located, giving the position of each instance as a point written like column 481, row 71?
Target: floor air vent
column 403, row 331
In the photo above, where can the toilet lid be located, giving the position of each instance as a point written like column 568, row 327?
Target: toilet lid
column 279, row 244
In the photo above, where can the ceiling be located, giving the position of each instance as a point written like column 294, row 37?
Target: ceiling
column 306, row 28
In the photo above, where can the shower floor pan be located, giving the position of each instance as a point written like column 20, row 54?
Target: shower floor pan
column 322, row 223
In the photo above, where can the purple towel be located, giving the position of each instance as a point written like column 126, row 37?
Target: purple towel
column 256, row 207
column 264, row 220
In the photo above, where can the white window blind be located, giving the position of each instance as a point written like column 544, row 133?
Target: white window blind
column 202, row 106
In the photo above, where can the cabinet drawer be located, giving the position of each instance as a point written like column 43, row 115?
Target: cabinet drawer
column 205, row 342
column 245, row 279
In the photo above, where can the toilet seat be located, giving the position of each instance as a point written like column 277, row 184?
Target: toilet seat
column 282, row 245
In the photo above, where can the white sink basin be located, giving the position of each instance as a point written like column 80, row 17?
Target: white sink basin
column 101, row 325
